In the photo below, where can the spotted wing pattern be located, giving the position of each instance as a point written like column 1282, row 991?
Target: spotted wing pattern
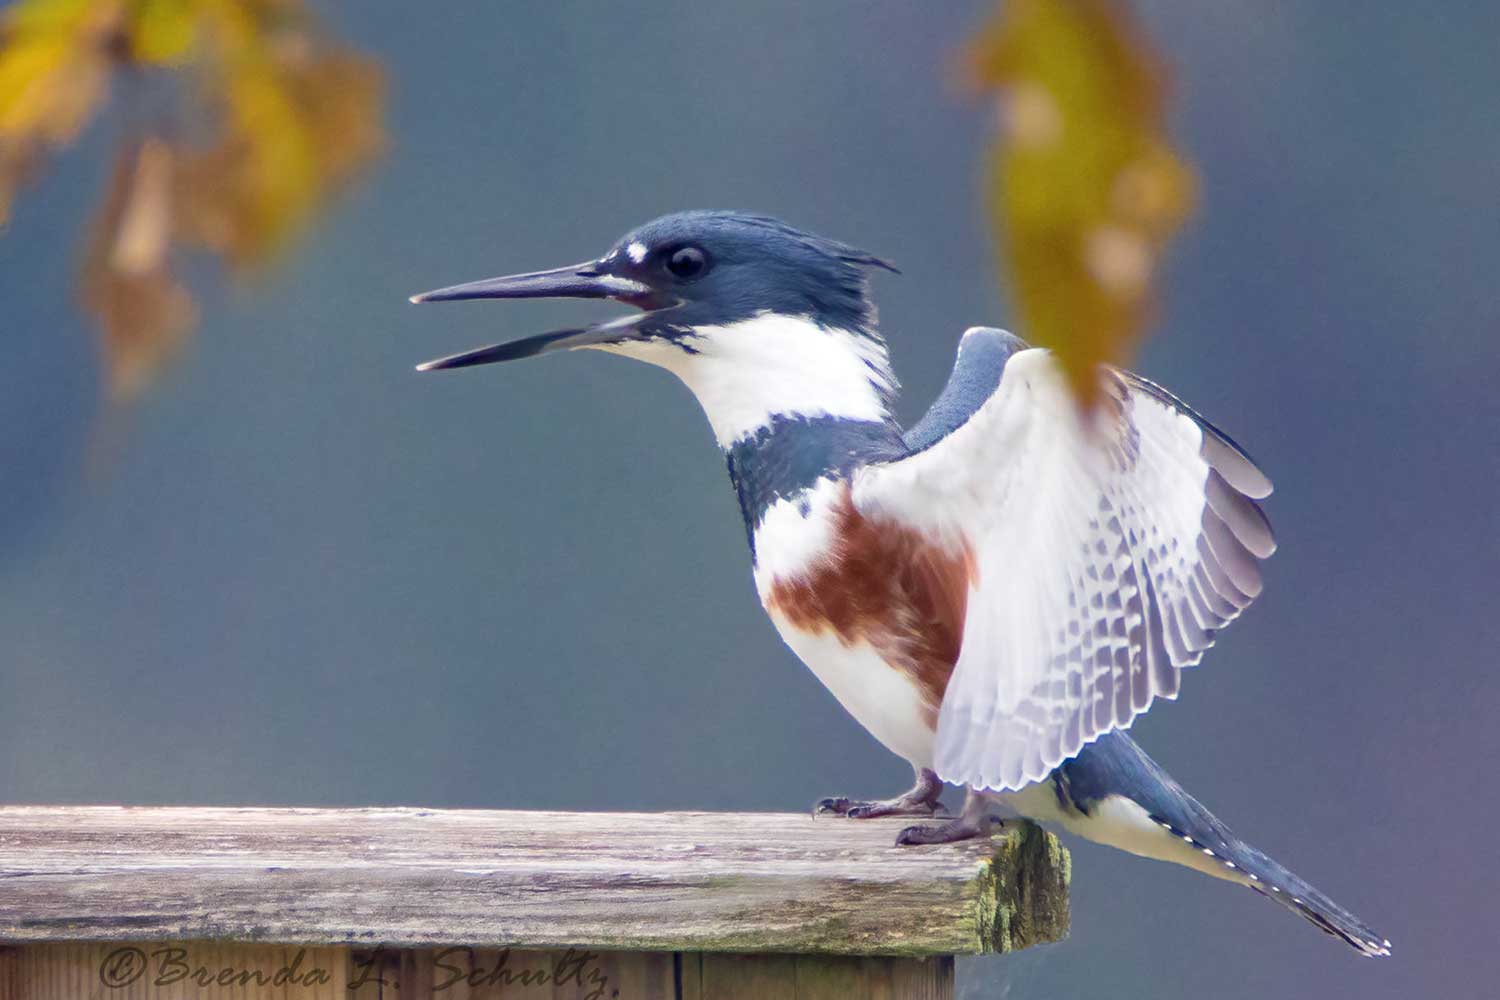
column 1110, row 548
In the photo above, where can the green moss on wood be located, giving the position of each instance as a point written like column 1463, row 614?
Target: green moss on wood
column 1023, row 891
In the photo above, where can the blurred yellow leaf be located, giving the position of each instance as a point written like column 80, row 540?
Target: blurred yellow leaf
column 270, row 120
column 253, row 190
column 1084, row 186
column 342, row 94
column 127, row 283
column 162, row 31
column 54, row 61
column 301, row 118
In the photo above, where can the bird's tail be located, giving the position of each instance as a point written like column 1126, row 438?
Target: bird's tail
column 1114, row 794
column 1276, row 883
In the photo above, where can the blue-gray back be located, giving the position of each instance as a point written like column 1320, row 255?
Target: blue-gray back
column 982, row 355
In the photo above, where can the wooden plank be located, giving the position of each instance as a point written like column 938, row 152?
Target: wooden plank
column 462, row 973
column 199, row 970
column 604, row 881
column 748, row 977
column 817, row 977
column 10, row 973
column 206, row 970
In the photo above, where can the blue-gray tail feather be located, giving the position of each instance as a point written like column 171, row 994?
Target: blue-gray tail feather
column 1115, row 765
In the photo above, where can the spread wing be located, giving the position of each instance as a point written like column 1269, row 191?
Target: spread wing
column 1106, row 554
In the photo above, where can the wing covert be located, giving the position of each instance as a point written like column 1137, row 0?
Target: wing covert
column 1109, row 552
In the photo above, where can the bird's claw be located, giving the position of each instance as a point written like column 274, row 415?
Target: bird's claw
column 921, row 800
column 871, row 810
column 960, row 828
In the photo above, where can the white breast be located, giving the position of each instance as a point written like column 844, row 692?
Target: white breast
column 881, row 698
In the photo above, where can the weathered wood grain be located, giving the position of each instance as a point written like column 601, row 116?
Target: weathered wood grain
column 203, row 970
column 219, row 971
column 669, row 882
column 816, row 977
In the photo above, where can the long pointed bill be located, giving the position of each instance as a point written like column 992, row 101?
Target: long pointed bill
column 580, row 281
column 543, row 343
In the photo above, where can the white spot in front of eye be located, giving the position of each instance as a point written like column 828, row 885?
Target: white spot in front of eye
column 637, row 252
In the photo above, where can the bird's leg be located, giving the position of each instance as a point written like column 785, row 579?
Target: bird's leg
column 920, row 800
column 978, row 819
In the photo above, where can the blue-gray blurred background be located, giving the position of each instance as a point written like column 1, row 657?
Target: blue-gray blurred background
column 298, row 572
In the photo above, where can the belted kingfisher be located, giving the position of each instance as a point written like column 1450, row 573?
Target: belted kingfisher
column 995, row 593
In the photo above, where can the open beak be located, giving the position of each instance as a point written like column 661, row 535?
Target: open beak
column 581, row 281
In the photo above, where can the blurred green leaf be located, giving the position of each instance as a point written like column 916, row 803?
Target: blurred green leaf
column 1085, row 189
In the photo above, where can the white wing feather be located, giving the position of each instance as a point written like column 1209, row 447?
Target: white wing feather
column 1106, row 557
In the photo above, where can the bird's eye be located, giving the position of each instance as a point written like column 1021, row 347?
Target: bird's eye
column 687, row 263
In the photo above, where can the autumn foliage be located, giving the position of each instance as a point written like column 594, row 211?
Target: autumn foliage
column 1084, row 188
column 263, row 118
column 266, row 117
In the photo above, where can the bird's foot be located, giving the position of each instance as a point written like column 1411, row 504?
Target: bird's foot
column 976, row 820
column 920, row 800
column 956, row 829
column 873, row 808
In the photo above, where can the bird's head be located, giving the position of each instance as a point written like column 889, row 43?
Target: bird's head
column 759, row 319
